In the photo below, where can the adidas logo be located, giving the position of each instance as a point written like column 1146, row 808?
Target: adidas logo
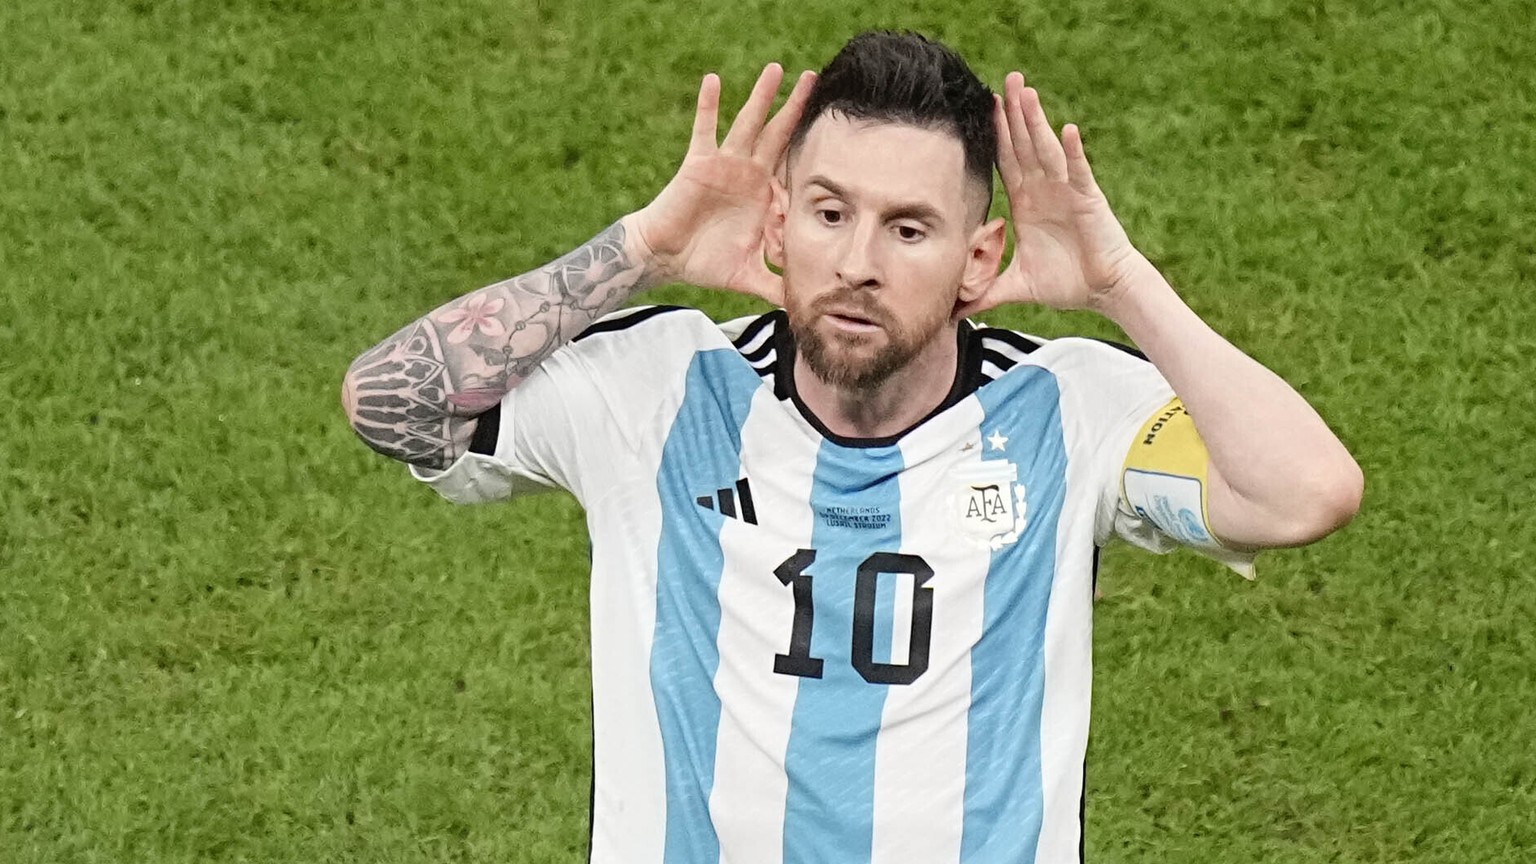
column 729, row 499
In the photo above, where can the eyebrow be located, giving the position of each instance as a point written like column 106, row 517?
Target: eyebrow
column 901, row 210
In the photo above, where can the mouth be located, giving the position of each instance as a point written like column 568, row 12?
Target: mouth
column 851, row 321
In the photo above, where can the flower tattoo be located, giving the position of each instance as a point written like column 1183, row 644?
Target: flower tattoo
column 477, row 314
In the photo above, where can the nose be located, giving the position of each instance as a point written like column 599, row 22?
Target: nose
column 858, row 263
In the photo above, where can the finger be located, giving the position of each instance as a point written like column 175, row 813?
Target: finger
column 775, row 137
column 1047, row 145
column 706, row 116
column 1007, row 160
column 1018, row 130
column 1079, row 174
column 749, row 121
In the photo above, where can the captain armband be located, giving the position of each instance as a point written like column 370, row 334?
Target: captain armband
column 1166, row 479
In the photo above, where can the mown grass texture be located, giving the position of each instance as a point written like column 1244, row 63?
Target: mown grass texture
column 229, row 632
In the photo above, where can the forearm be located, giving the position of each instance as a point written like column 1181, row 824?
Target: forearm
column 414, row 396
column 1279, row 476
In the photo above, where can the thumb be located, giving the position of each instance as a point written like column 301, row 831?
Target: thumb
column 991, row 298
column 966, row 310
column 762, row 283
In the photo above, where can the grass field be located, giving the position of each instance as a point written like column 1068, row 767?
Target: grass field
column 228, row 632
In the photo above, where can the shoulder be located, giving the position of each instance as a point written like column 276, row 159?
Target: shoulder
column 642, row 339
column 634, row 322
column 648, row 321
column 1001, row 350
column 645, row 336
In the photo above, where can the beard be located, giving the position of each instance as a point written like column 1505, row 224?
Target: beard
column 859, row 361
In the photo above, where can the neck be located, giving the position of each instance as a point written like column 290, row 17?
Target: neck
column 890, row 407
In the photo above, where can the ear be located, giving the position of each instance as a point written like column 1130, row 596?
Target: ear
column 984, row 257
column 773, row 230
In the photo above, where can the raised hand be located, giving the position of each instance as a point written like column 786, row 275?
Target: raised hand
column 706, row 226
column 1070, row 251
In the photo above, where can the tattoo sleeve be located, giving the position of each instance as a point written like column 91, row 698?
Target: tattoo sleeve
column 414, row 396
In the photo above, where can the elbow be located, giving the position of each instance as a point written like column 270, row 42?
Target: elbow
column 368, row 433
column 1332, row 500
column 1303, row 509
column 1300, row 506
column 394, row 422
column 348, row 405
column 349, row 399
column 1352, row 494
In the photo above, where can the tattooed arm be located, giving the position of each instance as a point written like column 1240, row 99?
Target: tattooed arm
column 415, row 396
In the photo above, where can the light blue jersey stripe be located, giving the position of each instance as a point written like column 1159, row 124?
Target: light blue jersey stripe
column 702, row 455
column 1004, row 796
column 829, row 813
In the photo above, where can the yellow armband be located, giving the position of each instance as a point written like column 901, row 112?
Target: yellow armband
column 1166, row 477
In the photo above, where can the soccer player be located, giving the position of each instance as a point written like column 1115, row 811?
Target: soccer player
column 843, row 552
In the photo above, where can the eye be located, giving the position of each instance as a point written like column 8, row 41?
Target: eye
column 910, row 233
column 830, row 217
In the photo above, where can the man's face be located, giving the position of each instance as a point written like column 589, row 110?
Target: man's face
column 878, row 225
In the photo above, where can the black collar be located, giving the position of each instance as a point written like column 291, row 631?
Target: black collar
column 968, row 378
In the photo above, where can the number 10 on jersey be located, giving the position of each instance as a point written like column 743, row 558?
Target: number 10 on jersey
column 795, row 576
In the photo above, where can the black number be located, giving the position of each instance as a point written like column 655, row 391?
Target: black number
column 864, row 619
column 799, row 660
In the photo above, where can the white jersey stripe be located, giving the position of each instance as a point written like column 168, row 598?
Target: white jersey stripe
column 920, row 803
column 626, row 739
column 1065, row 703
column 750, row 787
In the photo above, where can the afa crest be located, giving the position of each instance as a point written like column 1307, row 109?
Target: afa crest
column 989, row 504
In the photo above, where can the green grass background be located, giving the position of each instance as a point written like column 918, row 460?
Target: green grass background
column 229, row 632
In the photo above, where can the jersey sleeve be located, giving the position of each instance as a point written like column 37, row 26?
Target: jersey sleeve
column 579, row 420
column 1121, row 398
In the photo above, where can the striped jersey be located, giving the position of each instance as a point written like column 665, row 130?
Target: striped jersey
column 807, row 648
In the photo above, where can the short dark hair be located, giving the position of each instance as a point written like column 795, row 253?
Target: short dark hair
column 908, row 78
